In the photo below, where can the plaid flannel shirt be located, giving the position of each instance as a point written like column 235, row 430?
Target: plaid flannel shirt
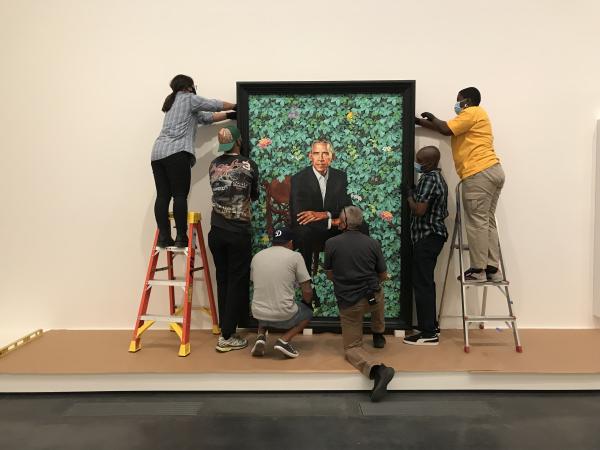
column 178, row 132
column 431, row 189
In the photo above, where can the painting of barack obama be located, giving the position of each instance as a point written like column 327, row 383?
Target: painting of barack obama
column 318, row 194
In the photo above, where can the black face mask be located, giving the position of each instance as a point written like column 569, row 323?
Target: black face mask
column 345, row 220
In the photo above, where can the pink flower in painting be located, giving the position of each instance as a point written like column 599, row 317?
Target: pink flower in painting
column 386, row 215
column 264, row 142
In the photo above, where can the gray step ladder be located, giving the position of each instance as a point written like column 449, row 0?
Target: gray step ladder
column 457, row 248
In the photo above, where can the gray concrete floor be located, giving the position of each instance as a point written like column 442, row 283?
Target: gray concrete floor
column 309, row 420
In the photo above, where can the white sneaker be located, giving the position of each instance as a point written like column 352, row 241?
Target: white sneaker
column 259, row 345
column 234, row 342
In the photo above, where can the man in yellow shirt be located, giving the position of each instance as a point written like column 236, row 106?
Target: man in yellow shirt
column 479, row 168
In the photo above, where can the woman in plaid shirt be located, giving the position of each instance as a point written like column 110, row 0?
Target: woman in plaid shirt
column 173, row 153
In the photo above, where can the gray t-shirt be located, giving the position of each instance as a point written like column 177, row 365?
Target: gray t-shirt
column 275, row 272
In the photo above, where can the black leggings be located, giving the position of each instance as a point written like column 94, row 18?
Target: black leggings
column 172, row 176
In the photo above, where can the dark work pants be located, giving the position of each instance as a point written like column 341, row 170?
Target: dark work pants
column 425, row 253
column 232, row 254
column 172, row 176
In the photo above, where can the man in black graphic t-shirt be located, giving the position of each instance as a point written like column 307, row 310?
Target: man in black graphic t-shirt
column 234, row 184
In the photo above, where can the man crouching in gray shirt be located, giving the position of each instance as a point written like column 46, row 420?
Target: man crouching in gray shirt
column 355, row 264
column 275, row 272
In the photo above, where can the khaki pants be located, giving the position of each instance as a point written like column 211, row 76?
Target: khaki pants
column 352, row 331
column 480, row 194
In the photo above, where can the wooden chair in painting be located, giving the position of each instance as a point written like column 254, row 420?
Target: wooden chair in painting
column 277, row 203
column 278, row 213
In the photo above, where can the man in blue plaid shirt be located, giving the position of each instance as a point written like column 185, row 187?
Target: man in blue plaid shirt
column 428, row 203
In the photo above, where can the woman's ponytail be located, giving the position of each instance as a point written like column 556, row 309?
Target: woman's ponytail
column 178, row 83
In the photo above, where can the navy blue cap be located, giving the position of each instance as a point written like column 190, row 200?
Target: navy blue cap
column 282, row 235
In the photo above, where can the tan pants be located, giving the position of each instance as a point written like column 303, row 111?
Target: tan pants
column 352, row 331
column 480, row 194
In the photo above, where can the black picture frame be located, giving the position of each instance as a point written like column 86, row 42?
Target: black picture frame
column 405, row 88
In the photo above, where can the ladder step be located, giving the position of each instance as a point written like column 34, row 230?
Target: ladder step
column 464, row 247
column 485, row 283
column 156, row 318
column 489, row 318
column 179, row 283
column 172, row 249
column 160, row 269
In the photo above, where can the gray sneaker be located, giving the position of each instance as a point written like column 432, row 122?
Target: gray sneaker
column 259, row 345
column 494, row 277
column 234, row 342
column 474, row 277
column 286, row 348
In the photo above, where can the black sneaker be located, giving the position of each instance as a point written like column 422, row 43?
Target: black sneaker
column 164, row 242
column 286, row 348
column 474, row 276
column 378, row 340
column 382, row 376
column 422, row 339
column 259, row 345
column 181, row 241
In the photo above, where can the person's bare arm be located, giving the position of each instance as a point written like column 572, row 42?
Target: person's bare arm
column 418, row 208
column 219, row 116
column 383, row 276
column 228, row 106
column 431, row 122
column 329, row 274
column 306, row 292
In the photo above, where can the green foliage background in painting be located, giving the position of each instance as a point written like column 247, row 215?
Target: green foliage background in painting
column 366, row 133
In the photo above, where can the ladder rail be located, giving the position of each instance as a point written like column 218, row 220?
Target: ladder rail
column 179, row 318
column 463, row 294
column 457, row 245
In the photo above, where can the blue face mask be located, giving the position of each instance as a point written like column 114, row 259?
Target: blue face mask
column 457, row 108
column 418, row 168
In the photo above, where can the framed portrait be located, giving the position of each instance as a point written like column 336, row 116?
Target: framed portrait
column 364, row 135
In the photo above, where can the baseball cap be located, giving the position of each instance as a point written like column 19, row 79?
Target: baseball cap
column 228, row 137
column 282, row 235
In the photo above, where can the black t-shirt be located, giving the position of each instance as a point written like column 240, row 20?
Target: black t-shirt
column 356, row 260
column 234, row 184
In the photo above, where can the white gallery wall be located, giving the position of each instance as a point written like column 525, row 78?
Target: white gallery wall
column 82, row 84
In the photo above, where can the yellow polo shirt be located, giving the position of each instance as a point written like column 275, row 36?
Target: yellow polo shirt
column 473, row 142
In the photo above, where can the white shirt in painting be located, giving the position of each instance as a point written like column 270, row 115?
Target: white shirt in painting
column 322, row 180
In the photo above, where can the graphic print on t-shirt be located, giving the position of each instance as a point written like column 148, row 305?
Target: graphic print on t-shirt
column 231, row 182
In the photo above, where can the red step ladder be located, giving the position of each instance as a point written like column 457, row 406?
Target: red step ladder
column 180, row 315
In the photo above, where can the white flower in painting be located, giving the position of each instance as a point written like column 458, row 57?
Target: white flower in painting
column 387, row 149
column 356, row 197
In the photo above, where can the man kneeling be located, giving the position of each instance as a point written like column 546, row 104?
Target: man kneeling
column 275, row 271
column 355, row 264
